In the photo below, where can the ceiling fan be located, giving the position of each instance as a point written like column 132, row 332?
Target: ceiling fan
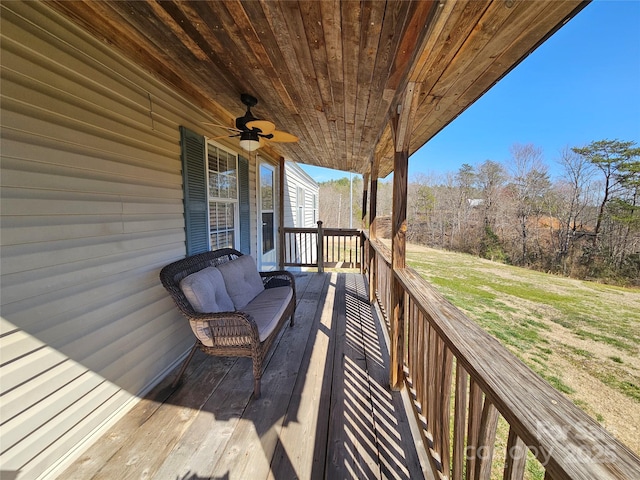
column 252, row 130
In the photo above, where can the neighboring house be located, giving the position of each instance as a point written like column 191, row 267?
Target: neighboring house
column 301, row 197
column 300, row 211
column 92, row 207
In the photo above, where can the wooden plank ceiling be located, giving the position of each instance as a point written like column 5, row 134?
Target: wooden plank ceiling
column 330, row 72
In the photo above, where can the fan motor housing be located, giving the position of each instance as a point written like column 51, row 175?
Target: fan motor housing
column 248, row 100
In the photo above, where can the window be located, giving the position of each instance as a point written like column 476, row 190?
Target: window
column 315, row 208
column 267, row 208
column 223, row 197
column 300, row 202
column 216, row 196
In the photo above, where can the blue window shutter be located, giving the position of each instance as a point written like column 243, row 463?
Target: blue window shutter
column 245, row 209
column 194, row 177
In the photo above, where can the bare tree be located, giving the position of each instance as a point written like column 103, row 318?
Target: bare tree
column 530, row 183
column 575, row 188
column 420, row 208
column 466, row 222
column 490, row 180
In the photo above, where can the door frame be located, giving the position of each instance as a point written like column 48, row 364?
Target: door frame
column 267, row 260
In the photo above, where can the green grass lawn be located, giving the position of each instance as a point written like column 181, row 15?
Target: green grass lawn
column 582, row 337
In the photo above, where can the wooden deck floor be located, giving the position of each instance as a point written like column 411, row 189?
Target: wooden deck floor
column 325, row 411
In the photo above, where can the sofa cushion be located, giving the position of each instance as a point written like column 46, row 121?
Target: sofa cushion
column 242, row 280
column 206, row 291
column 267, row 308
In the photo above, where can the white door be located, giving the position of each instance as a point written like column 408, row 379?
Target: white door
column 267, row 218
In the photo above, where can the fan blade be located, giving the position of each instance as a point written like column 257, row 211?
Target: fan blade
column 224, row 136
column 283, row 137
column 266, row 127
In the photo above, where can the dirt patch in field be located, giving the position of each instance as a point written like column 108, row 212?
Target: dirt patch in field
column 618, row 413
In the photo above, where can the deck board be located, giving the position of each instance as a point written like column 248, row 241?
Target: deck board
column 326, row 410
column 301, row 448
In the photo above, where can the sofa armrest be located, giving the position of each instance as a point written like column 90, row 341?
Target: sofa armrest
column 227, row 328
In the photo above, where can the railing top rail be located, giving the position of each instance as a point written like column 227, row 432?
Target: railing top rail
column 565, row 439
column 327, row 231
column 351, row 232
column 382, row 249
column 300, row 230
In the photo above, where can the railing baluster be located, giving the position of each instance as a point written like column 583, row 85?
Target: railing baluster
column 445, row 408
column 459, row 422
column 308, row 247
column 516, row 457
column 287, row 242
column 473, row 429
column 291, row 253
column 344, row 249
column 300, row 247
column 306, row 243
column 421, row 357
column 436, row 419
column 486, row 440
column 415, row 345
column 410, row 351
column 431, row 380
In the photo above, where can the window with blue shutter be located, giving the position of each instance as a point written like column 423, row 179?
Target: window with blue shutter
column 210, row 175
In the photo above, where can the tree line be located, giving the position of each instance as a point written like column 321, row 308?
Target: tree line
column 584, row 224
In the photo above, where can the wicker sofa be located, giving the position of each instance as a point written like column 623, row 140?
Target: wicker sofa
column 233, row 309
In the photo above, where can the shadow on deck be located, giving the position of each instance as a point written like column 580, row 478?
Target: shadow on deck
column 326, row 410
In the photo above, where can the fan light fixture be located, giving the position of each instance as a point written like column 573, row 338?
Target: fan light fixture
column 249, row 140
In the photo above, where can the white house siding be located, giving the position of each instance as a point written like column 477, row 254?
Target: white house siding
column 294, row 179
column 91, row 209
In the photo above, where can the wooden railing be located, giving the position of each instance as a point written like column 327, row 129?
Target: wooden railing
column 322, row 247
column 484, row 414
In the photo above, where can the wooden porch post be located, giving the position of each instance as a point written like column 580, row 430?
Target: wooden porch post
column 401, row 123
column 363, row 220
column 398, row 250
column 281, row 237
column 365, row 191
column 373, row 209
column 373, row 198
column 320, row 247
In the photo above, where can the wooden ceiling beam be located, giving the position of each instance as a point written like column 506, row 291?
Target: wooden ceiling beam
column 403, row 120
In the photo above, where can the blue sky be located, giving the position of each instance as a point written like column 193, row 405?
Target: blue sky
column 580, row 86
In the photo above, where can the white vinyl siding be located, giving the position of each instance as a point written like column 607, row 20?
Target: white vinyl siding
column 91, row 209
column 300, row 190
column 299, row 208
